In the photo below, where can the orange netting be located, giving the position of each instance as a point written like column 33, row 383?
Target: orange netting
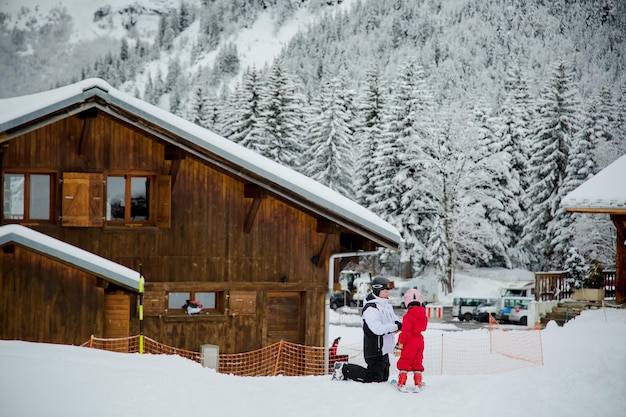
column 131, row 345
column 477, row 352
column 482, row 351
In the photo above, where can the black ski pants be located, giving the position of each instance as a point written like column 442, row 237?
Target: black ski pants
column 377, row 370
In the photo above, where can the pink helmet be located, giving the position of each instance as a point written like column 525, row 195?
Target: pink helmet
column 412, row 295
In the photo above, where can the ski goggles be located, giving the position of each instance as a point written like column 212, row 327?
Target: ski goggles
column 390, row 285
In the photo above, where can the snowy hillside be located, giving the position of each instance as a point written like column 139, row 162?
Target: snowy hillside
column 92, row 19
column 85, row 30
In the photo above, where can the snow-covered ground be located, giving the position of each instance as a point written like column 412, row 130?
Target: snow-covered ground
column 583, row 375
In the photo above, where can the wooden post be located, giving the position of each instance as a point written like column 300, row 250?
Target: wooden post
column 620, row 259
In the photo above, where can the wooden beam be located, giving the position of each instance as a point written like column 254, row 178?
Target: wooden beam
column 172, row 153
column 174, row 170
column 257, row 194
column 620, row 259
column 87, row 116
column 84, row 134
column 176, row 155
column 343, row 262
column 324, row 226
column 620, row 225
column 324, row 252
column 252, row 211
column 253, row 191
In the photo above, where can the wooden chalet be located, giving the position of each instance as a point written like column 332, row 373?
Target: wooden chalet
column 605, row 193
column 95, row 173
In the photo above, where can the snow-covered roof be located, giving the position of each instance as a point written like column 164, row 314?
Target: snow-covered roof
column 26, row 111
column 605, row 192
column 64, row 252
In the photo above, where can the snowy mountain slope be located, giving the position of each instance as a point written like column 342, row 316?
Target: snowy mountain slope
column 86, row 30
column 257, row 45
column 92, row 19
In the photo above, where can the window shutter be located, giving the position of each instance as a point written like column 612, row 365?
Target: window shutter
column 164, row 194
column 82, row 199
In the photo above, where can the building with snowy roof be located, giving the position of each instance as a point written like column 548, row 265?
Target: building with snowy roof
column 93, row 177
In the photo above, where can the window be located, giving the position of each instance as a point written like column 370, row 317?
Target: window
column 28, row 197
column 128, row 198
column 211, row 302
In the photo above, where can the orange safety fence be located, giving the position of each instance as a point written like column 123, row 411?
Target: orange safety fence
column 475, row 353
column 482, row 351
column 131, row 345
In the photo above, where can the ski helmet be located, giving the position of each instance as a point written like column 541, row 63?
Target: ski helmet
column 380, row 283
column 412, row 296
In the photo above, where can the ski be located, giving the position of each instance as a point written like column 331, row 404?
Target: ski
column 405, row 389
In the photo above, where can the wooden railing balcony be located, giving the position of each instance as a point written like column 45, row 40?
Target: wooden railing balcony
column 554, row 286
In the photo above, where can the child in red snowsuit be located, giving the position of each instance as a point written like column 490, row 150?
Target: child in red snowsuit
column 411, row 340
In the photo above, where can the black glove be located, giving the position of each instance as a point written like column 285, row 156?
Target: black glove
column 399, row 325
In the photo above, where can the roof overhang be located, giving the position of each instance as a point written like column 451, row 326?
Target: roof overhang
column 604, row 193
column 70, row 255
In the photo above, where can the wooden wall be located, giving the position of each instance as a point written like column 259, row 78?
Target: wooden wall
column 205, row 245
column 42, row 300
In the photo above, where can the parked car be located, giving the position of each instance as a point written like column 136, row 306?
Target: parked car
column 340, row 299
column 463, row 307
column 519, row 313
column 395, row 297
column 507, row 304
column 483, row 310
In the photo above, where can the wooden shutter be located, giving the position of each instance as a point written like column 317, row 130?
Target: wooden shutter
column 164, row 194
column 82, row 199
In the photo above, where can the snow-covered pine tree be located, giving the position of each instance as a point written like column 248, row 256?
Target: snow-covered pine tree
column 368, row 132
column 243, row 112
column 601, row 125
column 203, row 108
column 458, row 186
column 555, row 126
column 513, row 127
column 330, row 141
column 576, row 268
column 281, row 118
column 185, row 17
column 148, row 91
column 497, row 197
column 412, row 125
column 173, row 72
column 593, row 235
column 391, row 165
column 580, row 167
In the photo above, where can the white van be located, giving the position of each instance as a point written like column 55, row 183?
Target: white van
column 463, row 307
column 518, row 289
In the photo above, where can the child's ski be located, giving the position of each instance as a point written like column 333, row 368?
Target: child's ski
column 404, row 388
column 401, row 389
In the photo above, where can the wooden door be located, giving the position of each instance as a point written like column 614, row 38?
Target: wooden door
column 116, row 315
column 284, row 317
